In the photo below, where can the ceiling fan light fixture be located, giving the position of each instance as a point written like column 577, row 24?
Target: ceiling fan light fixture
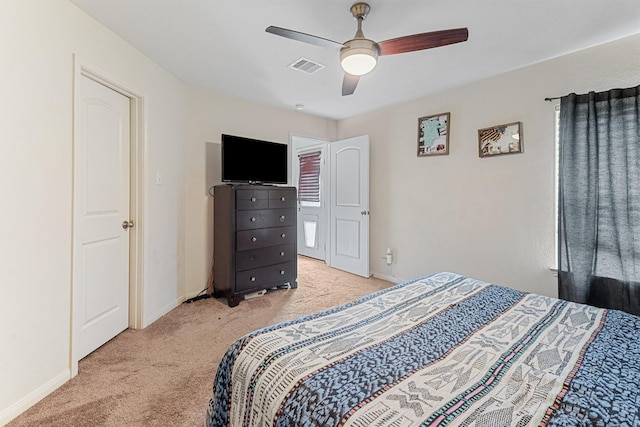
column 359, row 57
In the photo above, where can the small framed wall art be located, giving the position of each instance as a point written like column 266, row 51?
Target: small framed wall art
column 433, row 135
column 501, row 139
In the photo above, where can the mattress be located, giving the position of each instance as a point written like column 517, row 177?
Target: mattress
column 438, row 350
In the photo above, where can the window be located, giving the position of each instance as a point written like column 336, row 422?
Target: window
column 309, row 178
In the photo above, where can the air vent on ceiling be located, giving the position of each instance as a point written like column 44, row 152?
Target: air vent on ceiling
column 306, row 65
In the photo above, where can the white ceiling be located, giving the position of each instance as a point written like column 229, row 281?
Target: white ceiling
column 222, row 45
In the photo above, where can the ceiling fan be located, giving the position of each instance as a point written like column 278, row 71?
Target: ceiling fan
column 359, row 55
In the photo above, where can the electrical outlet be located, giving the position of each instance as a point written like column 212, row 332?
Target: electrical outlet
column 389, row 256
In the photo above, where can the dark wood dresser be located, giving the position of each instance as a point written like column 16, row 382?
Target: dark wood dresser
column 254, row 239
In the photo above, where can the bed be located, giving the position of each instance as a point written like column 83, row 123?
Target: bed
column 438, row 350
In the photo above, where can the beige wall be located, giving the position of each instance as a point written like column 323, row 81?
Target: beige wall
column 208, row 116
column 38, row 40
column 490, row 218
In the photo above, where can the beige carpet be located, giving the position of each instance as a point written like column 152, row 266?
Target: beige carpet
column 163, row 375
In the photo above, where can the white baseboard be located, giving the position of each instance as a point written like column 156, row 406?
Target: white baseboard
column 388, row 278
column 34, row 397
column 158, row 314
column 189, row 296
column 167, row 308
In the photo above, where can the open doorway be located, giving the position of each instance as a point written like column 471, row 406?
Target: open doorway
column 333, row 201
column 308, row 175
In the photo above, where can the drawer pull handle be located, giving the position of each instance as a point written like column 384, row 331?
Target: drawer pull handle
column 282, row 272
column 253, row 219
column 253, row 239
column 282, row 198
column 283, row 235
column 253, row 279
column 281, row 218
column 282, row 253
column 253, row 199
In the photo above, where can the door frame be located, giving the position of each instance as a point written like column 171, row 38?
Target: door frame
column 299, row 142
column 327, row 168
column 136, row 205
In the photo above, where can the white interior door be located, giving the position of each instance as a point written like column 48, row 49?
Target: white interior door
column 349, row 205
column 101, row 208
column 312, row 203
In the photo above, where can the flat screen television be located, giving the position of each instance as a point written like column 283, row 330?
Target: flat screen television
column 246, row 160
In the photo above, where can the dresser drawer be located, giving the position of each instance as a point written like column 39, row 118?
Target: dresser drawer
column 263, row 237
column 265, row 218
column 254, row 258
column 271, row 275
column 249, row 198
column 282, row 198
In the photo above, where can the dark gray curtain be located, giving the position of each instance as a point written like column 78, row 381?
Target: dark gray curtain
column 599, row 199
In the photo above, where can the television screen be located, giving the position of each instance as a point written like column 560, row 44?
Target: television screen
column 253, row 161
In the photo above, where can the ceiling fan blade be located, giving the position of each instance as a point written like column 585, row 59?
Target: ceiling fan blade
column 306, row 38
column 423, row 41
column 349, row 84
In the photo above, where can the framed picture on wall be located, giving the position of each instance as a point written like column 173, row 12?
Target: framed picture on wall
column 433, row 135
column 501, row 139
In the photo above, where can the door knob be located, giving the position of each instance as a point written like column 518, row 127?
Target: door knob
column 127, row 224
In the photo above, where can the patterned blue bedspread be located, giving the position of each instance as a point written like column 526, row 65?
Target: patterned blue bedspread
column 439, row 350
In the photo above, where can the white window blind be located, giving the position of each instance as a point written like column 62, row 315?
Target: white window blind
column 309, row 185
